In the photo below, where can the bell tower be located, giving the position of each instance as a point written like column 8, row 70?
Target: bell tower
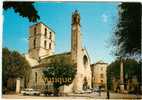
column 41, row 41
column 76, row 51
column 75, row 37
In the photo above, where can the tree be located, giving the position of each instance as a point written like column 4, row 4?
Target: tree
column 25, row 9
column 131, row 68
column 127, row 38
column 60, row 71
column 5, row 64
column 14, row 65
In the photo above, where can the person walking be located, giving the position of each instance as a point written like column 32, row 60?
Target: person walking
column 107, row 94
column 99, row 90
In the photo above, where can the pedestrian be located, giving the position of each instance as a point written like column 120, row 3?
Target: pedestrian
column 99, row 90
column 136, row 91
column 107, row 94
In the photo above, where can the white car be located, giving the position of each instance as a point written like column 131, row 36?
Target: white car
column 88, row 91
column 30, row 91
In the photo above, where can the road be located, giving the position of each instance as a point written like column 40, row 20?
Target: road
column 43, row 97
column 112, row 96
column 77, row 96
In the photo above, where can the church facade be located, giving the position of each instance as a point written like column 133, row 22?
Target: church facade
column 41, row 50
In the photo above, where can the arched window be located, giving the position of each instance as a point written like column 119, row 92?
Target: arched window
column 36, row 77
column 45, row 44
column 50, row 36
column 49, row 45
column 85, row 60
column 34, row 43
column 74, row 19
column 102, row 75
column 45, row 33
column 34, row 30
column 102, row 69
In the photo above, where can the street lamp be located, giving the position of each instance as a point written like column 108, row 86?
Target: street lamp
column 108, row 84
column 126, row 79
column 121, row 75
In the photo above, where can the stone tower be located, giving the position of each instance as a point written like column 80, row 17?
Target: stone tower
column 76, row 51
column 41, row 41
column 76, row 37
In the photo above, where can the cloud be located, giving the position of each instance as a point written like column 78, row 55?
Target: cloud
column 104, row 18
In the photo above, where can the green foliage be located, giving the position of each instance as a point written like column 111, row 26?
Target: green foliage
column 113, row 70
column 128, row 30
column 131, row 68
column 14, row 65
column 59, row 69
column 25, row 9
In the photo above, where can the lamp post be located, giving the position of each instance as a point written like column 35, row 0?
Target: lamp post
column 121, row 76
column 18, row 85
column 126, row 80
column 108, row 84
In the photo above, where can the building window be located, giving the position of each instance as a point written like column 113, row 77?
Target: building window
column 45, row 44
column 49, row 45
column 50, row 36
column 35, row 77
column 34, row 43
column 34, row 30
column 102, row 81
column 85, row 61
column 102, row 69
column 45, row 33
column 102, row 75
column 74, row 19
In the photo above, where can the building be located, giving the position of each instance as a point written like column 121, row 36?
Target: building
column 41, row 50
column 99, row 77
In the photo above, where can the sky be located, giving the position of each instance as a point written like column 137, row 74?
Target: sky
column 98, row 20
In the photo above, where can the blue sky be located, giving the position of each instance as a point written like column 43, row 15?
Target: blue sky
column 97, row 25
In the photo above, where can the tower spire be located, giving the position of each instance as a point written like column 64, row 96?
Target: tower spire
column 76, row 18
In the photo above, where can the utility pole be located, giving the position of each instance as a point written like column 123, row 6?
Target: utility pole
column 107, row 85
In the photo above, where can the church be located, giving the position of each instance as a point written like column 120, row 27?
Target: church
column 41, row 50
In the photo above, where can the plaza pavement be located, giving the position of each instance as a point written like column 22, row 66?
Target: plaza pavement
column 112, row 95
column 77, row 96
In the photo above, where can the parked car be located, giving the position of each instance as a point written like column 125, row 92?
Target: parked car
column 30, row 91
column 47, row 92
column 88, row 91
